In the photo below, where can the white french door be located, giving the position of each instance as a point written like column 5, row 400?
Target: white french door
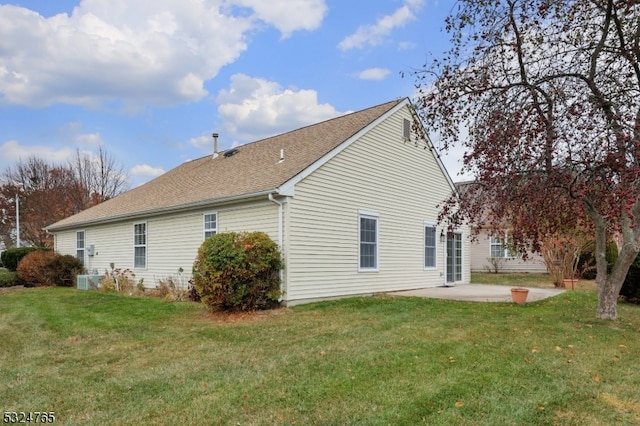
column 454, row 257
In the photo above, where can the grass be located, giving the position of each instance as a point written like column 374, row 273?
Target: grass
column 108, row 359
column 524, row 280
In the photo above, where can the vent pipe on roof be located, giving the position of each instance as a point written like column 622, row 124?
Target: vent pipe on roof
column 281, row 156
column 215, row 145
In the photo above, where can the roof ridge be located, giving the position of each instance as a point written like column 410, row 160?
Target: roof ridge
column 341, row 116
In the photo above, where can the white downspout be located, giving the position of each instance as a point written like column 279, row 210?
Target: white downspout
column 280, row 239
column 444, row 250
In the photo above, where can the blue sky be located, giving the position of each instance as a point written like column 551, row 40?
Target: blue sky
column 150, row 80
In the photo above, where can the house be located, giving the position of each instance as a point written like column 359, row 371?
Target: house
column 352, row 202
column 491, row 253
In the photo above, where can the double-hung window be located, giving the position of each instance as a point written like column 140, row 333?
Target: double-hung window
column 368, row 229
column 80, row 246
column 429, row 245
column 140, row 245
column 210, row 224
column 499, row 249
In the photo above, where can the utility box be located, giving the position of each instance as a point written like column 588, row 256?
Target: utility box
column 88, row 282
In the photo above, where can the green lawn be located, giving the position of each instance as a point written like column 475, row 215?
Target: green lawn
column 104, row 359
column 524, row 280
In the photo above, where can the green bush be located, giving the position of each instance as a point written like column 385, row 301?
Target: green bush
column 238, row 272
column 11, row 257
column 8, row 278
column 631, row 286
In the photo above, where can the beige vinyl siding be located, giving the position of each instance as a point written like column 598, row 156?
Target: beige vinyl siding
column 107, row 242
column 480, row 251
column 258, row 216
column 172, row 240
column 380, row 173
column 65, row 242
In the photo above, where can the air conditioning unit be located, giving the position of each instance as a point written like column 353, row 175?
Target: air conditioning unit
column 88, row 282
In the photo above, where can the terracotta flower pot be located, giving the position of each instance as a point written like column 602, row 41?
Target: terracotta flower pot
column 569, row 283
column 519, row 295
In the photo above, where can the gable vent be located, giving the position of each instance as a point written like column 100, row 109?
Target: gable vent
column 406, row 129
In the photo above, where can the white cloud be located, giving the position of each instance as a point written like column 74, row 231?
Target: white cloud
column 202, row 142
column 13, row 152
column 133, row 52
column 146, row 170
column 374, row 74
column 255, row 108
column 406, row 45
column 89, row 139
column 375, row 34
column 288, row 16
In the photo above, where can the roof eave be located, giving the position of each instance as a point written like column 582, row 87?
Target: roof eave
column 161, row 211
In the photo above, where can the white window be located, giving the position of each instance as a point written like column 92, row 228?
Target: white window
column 140, row 245
column 499, row 249
column 368, row 229
column 210, row 224
column 429, row 245
column 80, row 246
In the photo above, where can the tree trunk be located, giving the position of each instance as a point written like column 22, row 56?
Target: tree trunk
column 608, row 299
column 609, row 284
column 609, row 287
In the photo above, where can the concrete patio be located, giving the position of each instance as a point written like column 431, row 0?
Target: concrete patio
column 478, row 293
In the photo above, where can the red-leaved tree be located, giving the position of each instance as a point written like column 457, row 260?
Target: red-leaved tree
column 549, row 91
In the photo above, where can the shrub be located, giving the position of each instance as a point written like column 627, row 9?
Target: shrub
column 631, row 286
column 171, row 289
column 48, row 268
column 8, row 278
column 63, row 270
column 587, row 262
column 12, row 257
column 32, row 269
column 238, row 272
column 119, row 280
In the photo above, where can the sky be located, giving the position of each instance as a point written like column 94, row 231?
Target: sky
column 151, row 80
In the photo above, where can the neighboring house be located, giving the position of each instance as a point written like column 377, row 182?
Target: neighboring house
column 351, row 201
column 490, row 253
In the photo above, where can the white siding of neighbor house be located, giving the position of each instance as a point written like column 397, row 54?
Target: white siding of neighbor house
column 380, row 173
column 480, row 251
column 172, row 240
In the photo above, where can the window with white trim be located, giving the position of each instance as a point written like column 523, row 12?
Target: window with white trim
column 140, row 245
column 499, row 249
column 210, row 224
column 429, row 245
column 368, row 230
column 80, row 246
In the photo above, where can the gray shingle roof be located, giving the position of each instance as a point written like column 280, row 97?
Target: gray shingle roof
column 254, row 169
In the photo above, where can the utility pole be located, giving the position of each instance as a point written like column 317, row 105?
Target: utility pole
column 17, row 218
